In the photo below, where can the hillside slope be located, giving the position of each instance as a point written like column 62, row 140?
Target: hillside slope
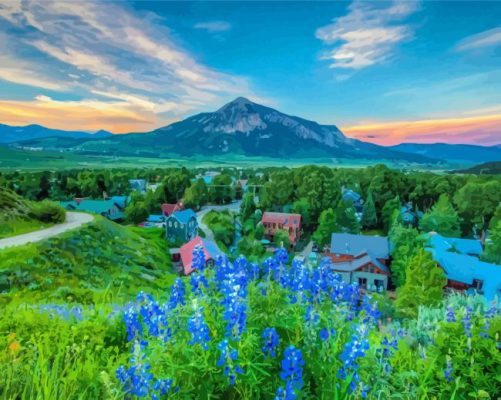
column 9, row 134
column 452, row 152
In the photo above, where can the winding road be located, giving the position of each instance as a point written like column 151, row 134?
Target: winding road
column 233, row 207
column 73, row 220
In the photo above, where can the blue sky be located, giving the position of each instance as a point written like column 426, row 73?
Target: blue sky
column 382, row 71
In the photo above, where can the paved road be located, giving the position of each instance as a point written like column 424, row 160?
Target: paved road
column 234, row 207
column 73, row 220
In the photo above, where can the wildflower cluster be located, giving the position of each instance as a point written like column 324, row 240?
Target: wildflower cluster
column 291, row 374
column 271, row 341
column 228, row 359
column 353, row 350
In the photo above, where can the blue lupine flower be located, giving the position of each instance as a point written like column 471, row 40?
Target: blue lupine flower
column 198, row 260
column 466, row 321
column 198, row 281
column 177, row 294
column 271, row 341
column 451, row 317
column 448, row 370
column 291, row 374
column 227, row 360
column 281, row 255
column 324, row 334
column 198, row 329
column 353, row 350
column 132, row 323
column 489, row 314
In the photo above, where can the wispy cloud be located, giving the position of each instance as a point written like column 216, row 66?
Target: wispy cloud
column 213, row 26
column 483, row 130
column 489, row 38
column 367, row 35
column 107, row 50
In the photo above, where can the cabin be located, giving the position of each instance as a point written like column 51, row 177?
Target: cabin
column 347, row 246
column 361, row 259
column 365, row 270
column 471, row 247
column 274, row 221
column 112, row 208
column 211, row 251
column 181, row 226
column 169, row 208
column 138, row 185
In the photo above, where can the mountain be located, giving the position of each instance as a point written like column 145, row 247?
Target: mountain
column 488, row 168
column 10, row 134
column 240, row 127
column 452, row 152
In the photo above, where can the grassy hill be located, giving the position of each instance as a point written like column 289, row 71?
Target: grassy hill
column 488, row 168
column 85, row 263
column 18, row 215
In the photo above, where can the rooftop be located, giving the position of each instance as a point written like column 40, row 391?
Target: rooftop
column 354, row 245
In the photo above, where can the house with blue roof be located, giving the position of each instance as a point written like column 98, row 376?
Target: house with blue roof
column 355, row 199
column 361, row 259
column 181, row 226
column 138, row 184
column 156, row 218
column 465, row 272
column 408, row 215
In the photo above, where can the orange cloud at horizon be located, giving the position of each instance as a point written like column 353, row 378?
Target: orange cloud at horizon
column 84, row 115
column 485, row 130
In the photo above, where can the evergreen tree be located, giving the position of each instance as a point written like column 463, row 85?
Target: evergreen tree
column 369, row 218
column 404, row 244
column 327, row 225
column 247, row 207
column 442, row 218
column 423, row 286
column 390, row 212
column 346, row 217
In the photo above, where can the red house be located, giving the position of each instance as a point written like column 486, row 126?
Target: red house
column 274, row 221
column 168, row 209
column 210, row 250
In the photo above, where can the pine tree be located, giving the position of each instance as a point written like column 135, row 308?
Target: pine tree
column 369, row 218
column 346, row 217
column 327, row 225
column 390, row 212
column 423, row 286
column 442, row 218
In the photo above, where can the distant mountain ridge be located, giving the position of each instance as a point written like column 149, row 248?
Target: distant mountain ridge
column 240, row 127
column 243, row 127
column 452, row 152
column 11, row 134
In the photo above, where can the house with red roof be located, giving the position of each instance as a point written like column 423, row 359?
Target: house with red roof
column 168, row 208
column 210, row 248
column 274, row 221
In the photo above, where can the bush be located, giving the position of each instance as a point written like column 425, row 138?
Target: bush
column 47, row 211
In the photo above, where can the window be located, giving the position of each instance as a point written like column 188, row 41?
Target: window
column 362, row 282
column 478, row 284
column 170, row 224
column 379, row 283
column 176, row 225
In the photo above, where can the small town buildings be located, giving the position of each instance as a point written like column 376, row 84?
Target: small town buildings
column 355, row 199
column 169, row 208
column 138, row 184
column 181, row 226
column 156, row 218
column 465, row 272
column 112, row 208
column 274, row 221
column 211, row 251
column 361, row 259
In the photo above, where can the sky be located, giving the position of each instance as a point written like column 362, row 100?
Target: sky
column 385, row 72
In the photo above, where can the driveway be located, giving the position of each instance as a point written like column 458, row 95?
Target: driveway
column 73, row 220
column 233, row 207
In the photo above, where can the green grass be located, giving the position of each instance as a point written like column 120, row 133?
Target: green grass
column 84, row 263
column 13, row 159
column 16, row 226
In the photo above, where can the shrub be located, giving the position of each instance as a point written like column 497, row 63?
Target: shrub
column 47, row 211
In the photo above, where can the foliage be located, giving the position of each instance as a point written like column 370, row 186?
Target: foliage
column 302, row 207
column 196, row 195
column 327, row 224
column 221, row 190
column 405, row 243
column 442, row 218
column 346, row 217
column 47, row 211
column 136, row 212
column 247, row 207
column 222, row 225
column 492, row 251
column 390, row 212
column 369, row 216
column 424, row 283
column 281, row 238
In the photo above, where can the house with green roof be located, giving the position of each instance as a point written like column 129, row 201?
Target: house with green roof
column 112, row 208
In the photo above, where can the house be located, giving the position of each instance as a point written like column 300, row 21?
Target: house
column 471, row 247
column 138, row 184
column 408, row 215
column 365, row 270
column 355, row 199
column 169, row 208
column 347, row 246
column 112, row 208
column 468, row 273
column 181, row 226
column 274, row 221
column 361, row 259
column 211, row 251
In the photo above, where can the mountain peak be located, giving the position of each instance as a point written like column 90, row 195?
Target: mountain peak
column 239, row 103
